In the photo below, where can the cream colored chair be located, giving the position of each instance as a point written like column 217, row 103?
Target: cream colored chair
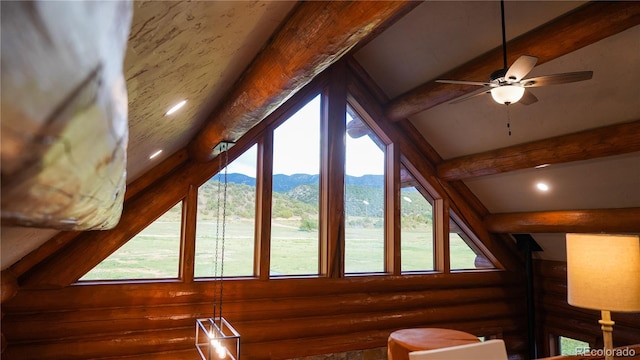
column 488, row 350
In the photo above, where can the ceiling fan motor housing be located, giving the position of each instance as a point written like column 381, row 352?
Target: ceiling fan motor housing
column 498, row 76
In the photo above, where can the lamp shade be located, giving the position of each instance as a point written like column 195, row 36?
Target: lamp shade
column 507, row 94
column 603, row 271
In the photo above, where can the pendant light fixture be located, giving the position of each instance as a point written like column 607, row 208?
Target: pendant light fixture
column 216, row 339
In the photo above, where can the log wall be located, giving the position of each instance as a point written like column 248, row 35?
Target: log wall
column 277, row 318
column 555, row 317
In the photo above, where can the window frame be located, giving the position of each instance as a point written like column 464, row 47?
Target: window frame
column 340, row 92
column 391, row 214
column 181, row 254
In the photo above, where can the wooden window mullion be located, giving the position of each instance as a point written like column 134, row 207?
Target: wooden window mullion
column 333, row 130
column 188, row 234
column 264, row 182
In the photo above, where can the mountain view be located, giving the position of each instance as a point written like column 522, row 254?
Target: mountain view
column 296, row 196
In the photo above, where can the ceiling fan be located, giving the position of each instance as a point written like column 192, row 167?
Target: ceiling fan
column 508, row 85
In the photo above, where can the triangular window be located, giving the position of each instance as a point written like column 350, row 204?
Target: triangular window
column 154, row 253
column 464, row 252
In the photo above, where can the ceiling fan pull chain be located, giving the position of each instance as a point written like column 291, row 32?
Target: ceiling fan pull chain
column 508, row 120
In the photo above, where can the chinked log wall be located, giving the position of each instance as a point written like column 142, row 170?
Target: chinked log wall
column 278, row 319
column 557, row 318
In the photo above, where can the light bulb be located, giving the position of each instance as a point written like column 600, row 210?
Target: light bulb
column 542, row 186
column 219, row 348
column 507, row 94
column 176, row 107
column 155, row 154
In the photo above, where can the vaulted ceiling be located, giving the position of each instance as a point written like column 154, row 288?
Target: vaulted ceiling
column 199, row 51
column 440, row 36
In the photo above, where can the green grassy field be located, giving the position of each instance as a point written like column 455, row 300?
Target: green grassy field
column 568, row 346
column 154, row 253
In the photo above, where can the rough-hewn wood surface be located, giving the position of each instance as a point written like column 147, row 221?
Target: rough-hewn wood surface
column 592, row 22
column 556, row 317
column 315, row 35
column 64, row 113
column 608, row 141
column 582, row 221
column 188, row 50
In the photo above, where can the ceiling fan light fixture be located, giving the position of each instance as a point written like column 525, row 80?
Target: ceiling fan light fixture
column 507, row 94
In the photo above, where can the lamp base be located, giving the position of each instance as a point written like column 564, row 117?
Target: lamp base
column 607, row 333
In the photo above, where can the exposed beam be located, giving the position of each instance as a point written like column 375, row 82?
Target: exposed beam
column 63, row 238
column 64, row 122
column 64, row 267
column 315, row 35
column 578, row 221
column 607, row 141
column 585, row 25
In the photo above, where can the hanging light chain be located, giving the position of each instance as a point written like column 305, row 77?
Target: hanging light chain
column 215, row 256
column 217, row 334
column 224, row 227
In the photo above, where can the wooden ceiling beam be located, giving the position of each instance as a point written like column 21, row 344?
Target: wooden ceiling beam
column 607, row 141
column 584, row 26
column 63, row 143
column 567, row 221
column 315, row 35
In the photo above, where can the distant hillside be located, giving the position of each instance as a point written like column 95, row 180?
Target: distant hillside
column 297, row 195
column 283, row 183
column 240, row 179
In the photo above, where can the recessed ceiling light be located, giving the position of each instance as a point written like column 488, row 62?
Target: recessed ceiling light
column 542, row 186
column 542, row 166
column 155, row 154
column 176, row 107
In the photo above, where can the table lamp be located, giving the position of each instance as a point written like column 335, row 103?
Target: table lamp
column 603, row 273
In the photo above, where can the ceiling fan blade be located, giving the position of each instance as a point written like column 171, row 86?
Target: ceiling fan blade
column 473, row 94
column 463, row 82
column 520, row 68
column 557, row 79
column 528, row 98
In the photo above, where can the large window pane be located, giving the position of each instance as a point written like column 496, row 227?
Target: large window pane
column 152, row 254
column 240, row 220
column 416, row 225
column 364, row 199
column 294, row 213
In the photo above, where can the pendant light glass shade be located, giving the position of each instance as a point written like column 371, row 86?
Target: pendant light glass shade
column 507, row 94
column 216, row 339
